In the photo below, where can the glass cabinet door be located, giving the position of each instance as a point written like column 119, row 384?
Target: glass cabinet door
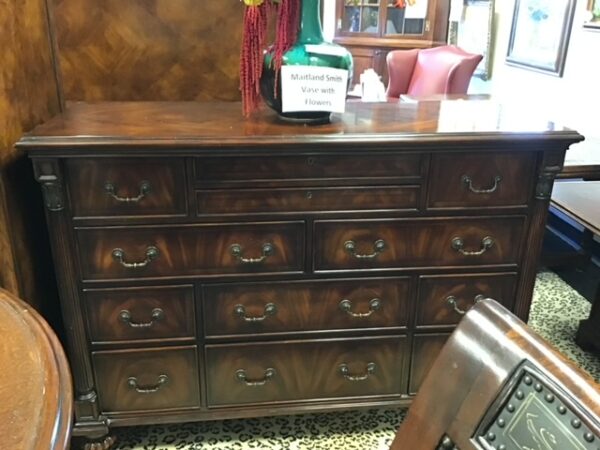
column 361, row 16
column 406, row 17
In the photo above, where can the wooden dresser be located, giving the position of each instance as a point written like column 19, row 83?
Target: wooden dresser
column 217, row 267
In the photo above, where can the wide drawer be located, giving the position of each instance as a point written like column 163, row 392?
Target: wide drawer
column 278, row 371
column 216, row 249
column 444, row 299
column 285, row 168
column 397, row 243
column 240, row 201
column 481, row 180
column 426, row 348
column 152, row 379
column 249, row 308
column 157, row 312
column 126, row 187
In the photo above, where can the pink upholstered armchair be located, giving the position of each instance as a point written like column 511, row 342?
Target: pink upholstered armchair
column 440, row 70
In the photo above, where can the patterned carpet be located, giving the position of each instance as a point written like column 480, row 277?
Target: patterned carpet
column 555, row 314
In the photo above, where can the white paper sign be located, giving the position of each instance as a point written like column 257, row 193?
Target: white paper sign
column 313, row 88
column 416, row 10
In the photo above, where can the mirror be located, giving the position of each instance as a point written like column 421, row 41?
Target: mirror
column 471, row 27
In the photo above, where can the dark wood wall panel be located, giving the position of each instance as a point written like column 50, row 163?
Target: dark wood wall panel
column 149, row 49
column 28, row 96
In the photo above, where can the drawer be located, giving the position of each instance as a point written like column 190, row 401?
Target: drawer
column 249, row 308
column 398, row 243
column 157, row 312
column 481, row 180
column 278, row 371
column 146, row 380
column 426, row 348
column 443, row 300
column 126, row 187
column 216, row 249
column 242, row 201
column 285, row 168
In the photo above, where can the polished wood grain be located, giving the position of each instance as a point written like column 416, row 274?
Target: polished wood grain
column 434, row 307
column 191, row 250
column 306, row 370
column 178, row 367
column 414, row 243
column 464, row 386
column 363, row 126
column 36, row 393
column 28, row 96
column 149, row 49
column 131, row 187
column 505, row 174
column 131, row 314
column 310, row 199
column 426, row 348
column 579, row 200
column 305, row 306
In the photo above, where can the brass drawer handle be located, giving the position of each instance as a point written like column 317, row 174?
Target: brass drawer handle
column 345, row 371
column 378, row 247
column 267, row 250
column 111, row 190
column 157, row 314
column 374, row 305
column 451, row 300
column 242, row 377
column 270, row 310
column 132, row 382
column 118, row 255
column 466, row 179
column 458, row 244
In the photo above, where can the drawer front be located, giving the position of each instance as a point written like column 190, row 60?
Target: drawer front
column 126, row 187
column 426, row 348
column 481, row 180
column 391, row 244
column 443, row 300
column 147, row 380
column 249, row 308
column 268, row 168
column 216, row 249
column 240, row 201
column 156, row 312
column 275, row 372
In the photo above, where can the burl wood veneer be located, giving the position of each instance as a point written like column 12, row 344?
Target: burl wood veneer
column 212, row 266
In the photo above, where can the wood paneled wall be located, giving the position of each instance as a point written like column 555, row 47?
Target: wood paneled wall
column 149, row 49
column 28, row 95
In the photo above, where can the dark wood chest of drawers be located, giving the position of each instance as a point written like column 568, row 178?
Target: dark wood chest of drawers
column 215, row 267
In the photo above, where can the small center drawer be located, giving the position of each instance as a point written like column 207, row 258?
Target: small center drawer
column 401, row 243
column 126, row 187
column 249, row 308
column 147, row 380
column 158, row 312
column 215, row 249
column 279, row 371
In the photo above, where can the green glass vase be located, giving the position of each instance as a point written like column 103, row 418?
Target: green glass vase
column 331, row 55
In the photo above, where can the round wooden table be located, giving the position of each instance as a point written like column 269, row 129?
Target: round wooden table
column 36, row 395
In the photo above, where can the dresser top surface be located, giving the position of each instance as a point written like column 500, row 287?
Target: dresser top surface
column 221, row 123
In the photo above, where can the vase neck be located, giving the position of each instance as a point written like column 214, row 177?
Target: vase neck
column 310, row 23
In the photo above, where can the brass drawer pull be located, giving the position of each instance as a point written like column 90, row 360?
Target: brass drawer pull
column 374, row 305
column 345, row 371
column 267, row 250
column 118, row 255
column 242, row 377
column 378, row 246
column 458, row 244
column 132, row 382
column 270, row 310
column 469, row 183
column 157, row 314
column 451, row 300
column 111, row 190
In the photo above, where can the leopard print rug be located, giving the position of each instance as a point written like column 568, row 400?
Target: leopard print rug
column 555, row 314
